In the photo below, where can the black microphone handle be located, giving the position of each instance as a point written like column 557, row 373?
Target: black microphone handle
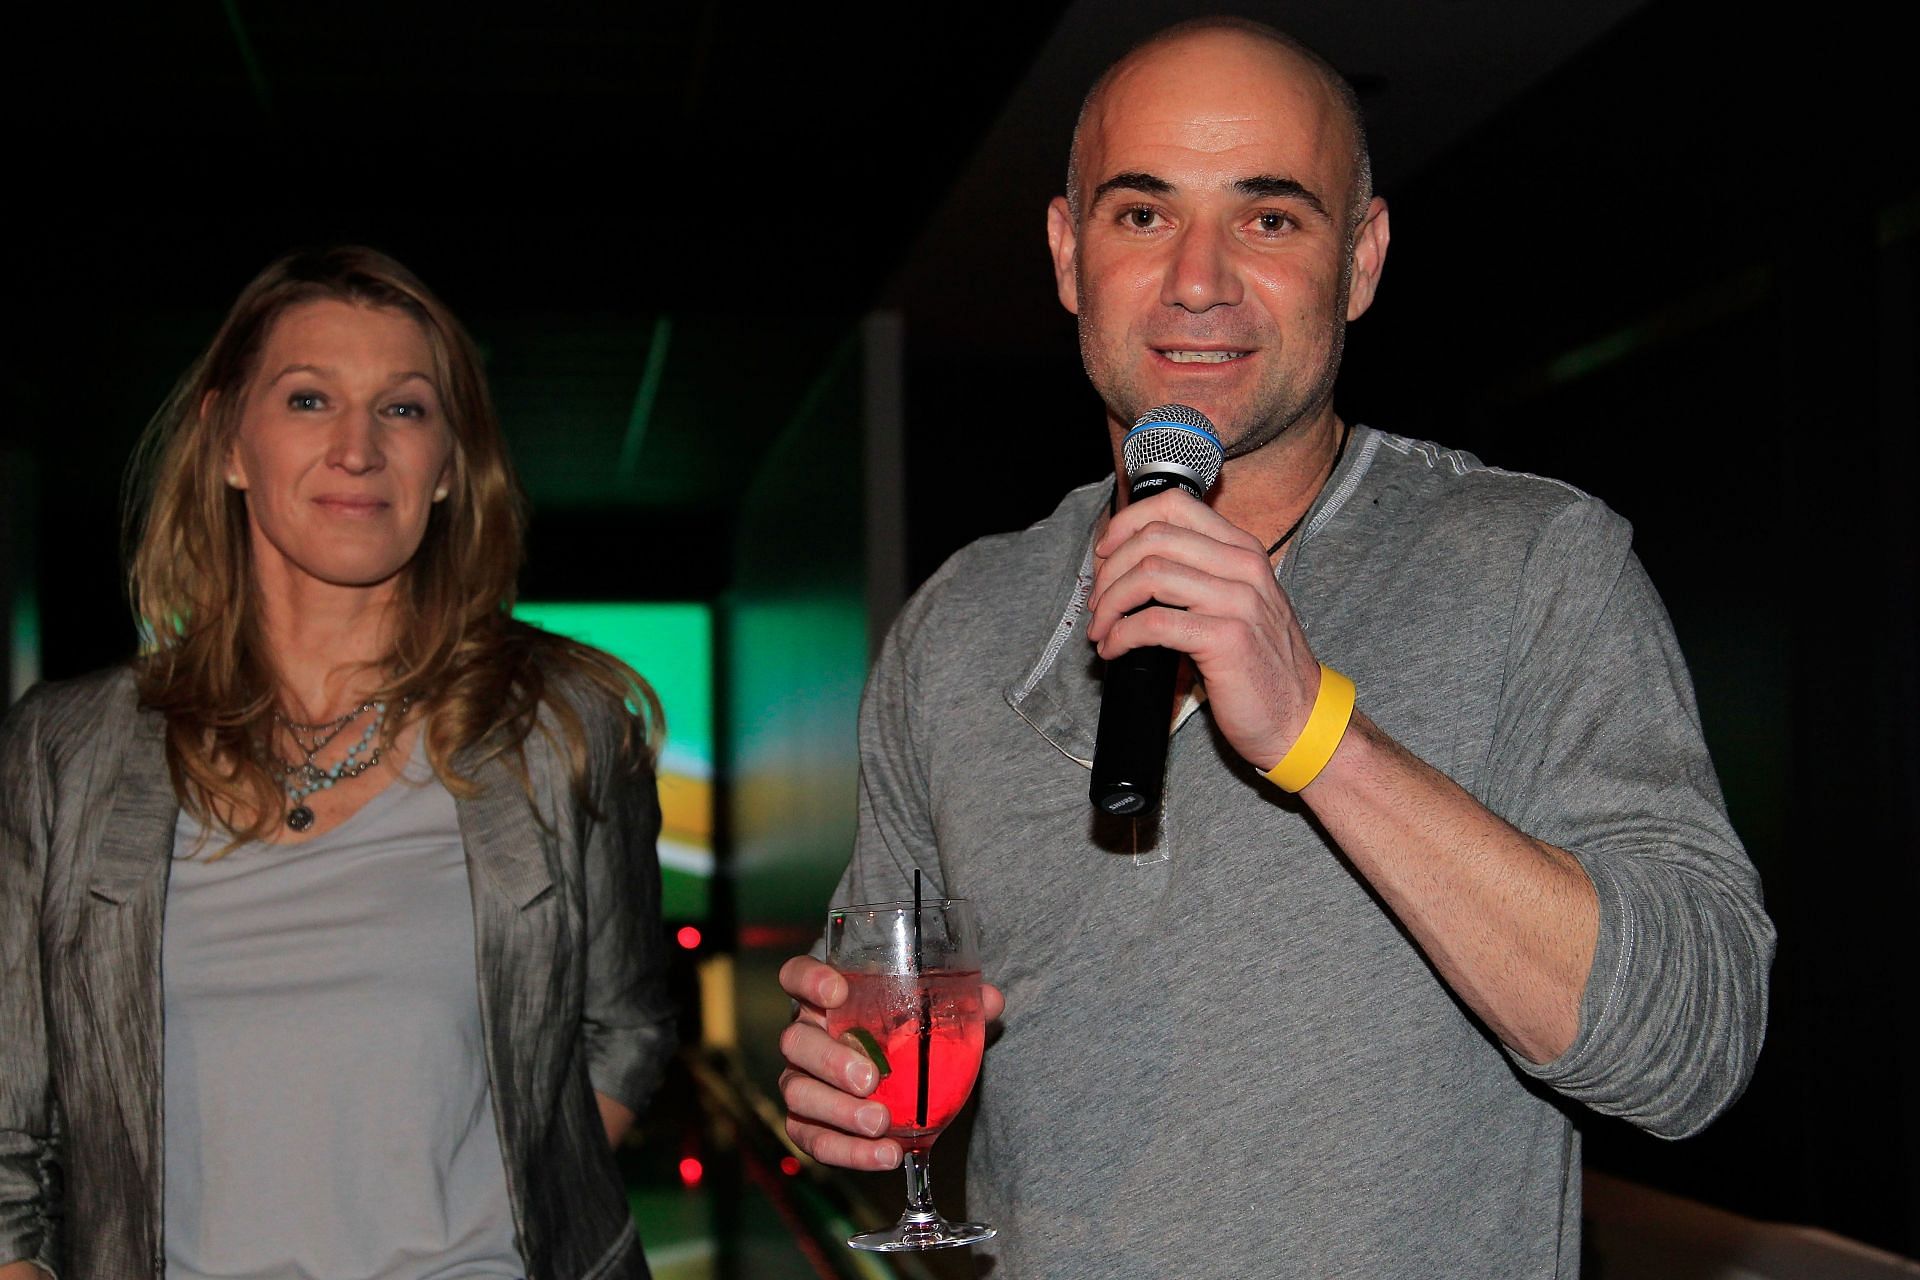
column 1136, row 711
column 1136, row 702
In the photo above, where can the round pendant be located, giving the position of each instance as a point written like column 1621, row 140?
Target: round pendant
column 299, row 817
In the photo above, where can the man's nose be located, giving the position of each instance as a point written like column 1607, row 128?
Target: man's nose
column 355, row 447
column 1200, row 274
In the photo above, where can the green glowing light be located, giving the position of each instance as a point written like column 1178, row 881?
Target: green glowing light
column 23, row 642
column 672, row 646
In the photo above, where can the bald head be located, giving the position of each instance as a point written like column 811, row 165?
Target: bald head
column 1200, row 41
column 1222, row 233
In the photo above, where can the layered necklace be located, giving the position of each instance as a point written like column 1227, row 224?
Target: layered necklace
column 301, row 778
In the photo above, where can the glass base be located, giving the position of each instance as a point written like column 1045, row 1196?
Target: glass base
column 922, row 1231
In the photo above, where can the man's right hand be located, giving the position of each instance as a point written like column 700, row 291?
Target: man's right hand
column 826, row 1083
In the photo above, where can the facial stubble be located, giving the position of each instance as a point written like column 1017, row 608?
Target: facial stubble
column 1125, row 404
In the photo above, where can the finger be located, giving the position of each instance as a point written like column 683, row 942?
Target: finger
column 1178, row 586
column 1170, row 580
column 830, row 1146
column 820, row 1103
column 813, row 983
column 1205, row 534
column 1242, row 561
column 1182, row 630
column 810, row 1049
column 1173, row 507
column 992, row 1002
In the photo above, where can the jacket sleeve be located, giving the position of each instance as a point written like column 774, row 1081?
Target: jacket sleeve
column 628, row 1015
column 29, row 1148
column 1599, row 751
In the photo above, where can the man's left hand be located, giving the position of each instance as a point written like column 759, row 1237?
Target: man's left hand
column 1508, row 921
column 1228, row 615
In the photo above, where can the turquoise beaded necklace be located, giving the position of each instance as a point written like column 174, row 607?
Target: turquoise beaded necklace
column 303, row 778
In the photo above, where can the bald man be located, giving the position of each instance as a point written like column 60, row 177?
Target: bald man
column 1326, row 1028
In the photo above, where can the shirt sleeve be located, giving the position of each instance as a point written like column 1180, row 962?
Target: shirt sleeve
column 29, row 1147
column 895, row 833
column 629, row 1020
column 1599, row 751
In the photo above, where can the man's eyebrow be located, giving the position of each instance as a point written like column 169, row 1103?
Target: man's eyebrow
column 1265, row 185
column 1277, row 188
column 1145, row 183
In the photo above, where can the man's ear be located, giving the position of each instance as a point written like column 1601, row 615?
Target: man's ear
column 1063, row 243
column 1369, row 258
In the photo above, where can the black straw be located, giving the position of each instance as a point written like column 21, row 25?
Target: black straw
column 926, row 1009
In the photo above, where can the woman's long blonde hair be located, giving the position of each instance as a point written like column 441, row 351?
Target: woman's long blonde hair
column 482, row 678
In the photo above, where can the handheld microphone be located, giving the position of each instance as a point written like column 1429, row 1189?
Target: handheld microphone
column 1168, row 446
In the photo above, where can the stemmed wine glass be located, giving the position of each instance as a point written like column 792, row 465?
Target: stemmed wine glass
column 913, row 1007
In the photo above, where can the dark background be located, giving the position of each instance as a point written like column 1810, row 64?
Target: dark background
column 1660, row 253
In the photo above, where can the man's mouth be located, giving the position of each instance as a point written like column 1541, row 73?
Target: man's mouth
column 1201, row 357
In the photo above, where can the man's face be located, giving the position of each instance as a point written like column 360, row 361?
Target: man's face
column 1209, row 262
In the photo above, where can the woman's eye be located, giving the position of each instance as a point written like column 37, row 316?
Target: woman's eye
column 407, row 409
column 305, row 401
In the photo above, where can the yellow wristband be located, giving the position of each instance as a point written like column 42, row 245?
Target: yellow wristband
column 1326, row 725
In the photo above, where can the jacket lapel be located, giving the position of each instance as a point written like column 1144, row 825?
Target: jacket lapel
column 514, row 937
column 120, row 951
column 136, row 840
column 503, row 840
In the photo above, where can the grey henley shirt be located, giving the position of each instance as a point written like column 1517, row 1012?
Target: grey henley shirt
column 1221, row 1056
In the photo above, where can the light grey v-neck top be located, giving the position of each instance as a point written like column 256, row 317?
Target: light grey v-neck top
column 327, row 1110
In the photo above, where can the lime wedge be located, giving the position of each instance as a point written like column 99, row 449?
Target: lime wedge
column 862, row 1039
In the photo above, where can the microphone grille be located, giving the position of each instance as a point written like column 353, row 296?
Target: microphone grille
column 1175, row 435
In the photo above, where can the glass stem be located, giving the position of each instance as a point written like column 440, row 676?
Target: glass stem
column 919, row 1190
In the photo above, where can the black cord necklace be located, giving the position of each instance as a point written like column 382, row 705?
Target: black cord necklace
column 1346, row 429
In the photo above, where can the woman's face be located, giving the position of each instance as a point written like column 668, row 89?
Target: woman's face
column 342, row 448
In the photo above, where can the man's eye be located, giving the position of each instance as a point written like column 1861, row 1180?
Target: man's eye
column 1271, row 223
column 1140, row 219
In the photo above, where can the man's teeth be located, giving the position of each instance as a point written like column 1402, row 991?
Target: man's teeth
column 1202, row 357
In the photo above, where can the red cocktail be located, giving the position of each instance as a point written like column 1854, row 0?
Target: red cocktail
column 889, row 1008
column 913, row 1007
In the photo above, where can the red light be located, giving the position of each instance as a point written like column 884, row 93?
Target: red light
column 689, row 937
column 789, row 1166
column 691, row 1171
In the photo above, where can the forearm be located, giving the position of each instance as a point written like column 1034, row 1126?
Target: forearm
column 1628, row 974
column 628, row 1016
column 1509, row 922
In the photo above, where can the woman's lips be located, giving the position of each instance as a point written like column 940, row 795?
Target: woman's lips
column 346, row 504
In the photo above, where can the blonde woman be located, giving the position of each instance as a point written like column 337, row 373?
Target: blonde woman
column 330, row 925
